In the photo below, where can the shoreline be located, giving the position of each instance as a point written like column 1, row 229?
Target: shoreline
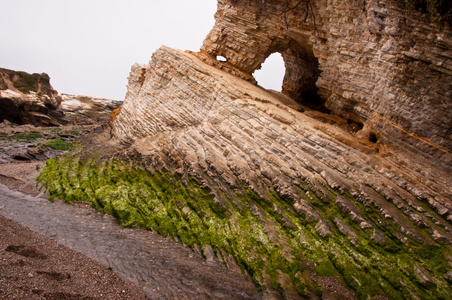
column 34, row 266
column 142, row 263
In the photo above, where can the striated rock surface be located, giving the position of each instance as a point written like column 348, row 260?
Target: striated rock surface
column 327, row 201
column 378, row 63
column 352, row 203
column 87, row 110
column 185, row 112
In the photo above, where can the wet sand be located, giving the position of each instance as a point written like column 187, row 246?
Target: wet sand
column 33, row 266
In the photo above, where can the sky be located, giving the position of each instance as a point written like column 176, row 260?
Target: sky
column 88, row 46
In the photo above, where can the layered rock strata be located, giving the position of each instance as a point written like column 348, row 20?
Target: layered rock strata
column 244, row 132
column 308, row 203
column 379, row 63
column 191, row 119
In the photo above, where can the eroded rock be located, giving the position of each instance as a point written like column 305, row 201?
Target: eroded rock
column 424, row 277
column 28, row 99
column 194, row 119
column 375, row 67
column 214, row 152
column 323, row 229
column 345, row 230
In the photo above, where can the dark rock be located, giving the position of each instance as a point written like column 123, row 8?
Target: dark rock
column 29, row 99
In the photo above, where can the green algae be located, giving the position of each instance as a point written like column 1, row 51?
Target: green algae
column 249, row 228
column 58, row 144
column 25, row 137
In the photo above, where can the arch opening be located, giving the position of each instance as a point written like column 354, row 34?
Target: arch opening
column 293, row 70
column 271, row 74
column 221, row 58
column 302, row 73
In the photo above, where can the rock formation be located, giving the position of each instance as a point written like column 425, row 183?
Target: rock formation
column 339, row 183
column 374, row 62
column 37, row 123
column 28, row 99
column 87, row 110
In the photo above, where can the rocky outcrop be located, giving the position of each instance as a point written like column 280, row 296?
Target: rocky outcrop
column 199, row 118
column 28, row 99
column 193, row 120
column 377, row 63
column 307, row 202
column 87, row 110
column 30, row 109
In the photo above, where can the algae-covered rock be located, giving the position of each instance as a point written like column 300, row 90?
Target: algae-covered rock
column 278, row 257
column 423, row 277
column 306, row 202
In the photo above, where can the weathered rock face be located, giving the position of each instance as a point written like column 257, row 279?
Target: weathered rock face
column 187, row 117
column 87, row 110
column 374, row 62
column 28, row 99
column 306, row 202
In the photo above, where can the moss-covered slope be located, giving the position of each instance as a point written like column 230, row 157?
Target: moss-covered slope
column 268, row 239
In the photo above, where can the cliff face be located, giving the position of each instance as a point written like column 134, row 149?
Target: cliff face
column 308, row 203
column 377, row 63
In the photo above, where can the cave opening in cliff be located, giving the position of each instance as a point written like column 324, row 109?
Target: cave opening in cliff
column 373, row 138
column 271, row 73
column 302, row 73
column 293, row 70
column 9, row 111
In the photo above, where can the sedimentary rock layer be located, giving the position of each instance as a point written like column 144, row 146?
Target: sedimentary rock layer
column 184, row 116
column 210, row 119
column 380, row 63
column 340, row 182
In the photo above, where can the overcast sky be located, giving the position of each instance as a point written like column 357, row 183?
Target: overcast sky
column 88, row 46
